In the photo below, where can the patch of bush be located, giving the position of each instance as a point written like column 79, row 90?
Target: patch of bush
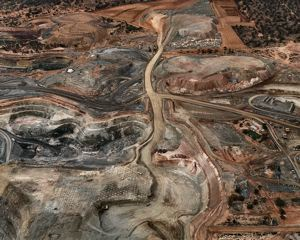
column 280, row 203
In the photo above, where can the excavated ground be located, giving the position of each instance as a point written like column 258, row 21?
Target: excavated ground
column 102, row 138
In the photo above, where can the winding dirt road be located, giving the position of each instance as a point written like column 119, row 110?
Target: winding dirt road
column 200, row 222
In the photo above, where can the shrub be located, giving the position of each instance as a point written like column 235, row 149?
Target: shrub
column 279, row 202
column 249, row 205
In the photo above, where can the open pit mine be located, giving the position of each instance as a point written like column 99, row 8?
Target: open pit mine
column 156, row 120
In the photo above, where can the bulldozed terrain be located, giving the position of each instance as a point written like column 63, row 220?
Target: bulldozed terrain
column 151, row 120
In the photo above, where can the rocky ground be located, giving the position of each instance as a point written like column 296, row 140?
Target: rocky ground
column 129, row 120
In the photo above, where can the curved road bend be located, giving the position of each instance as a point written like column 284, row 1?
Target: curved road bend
column 243, row 113
column 226, row 108
column 156, row 100
column 8, row 144
column 281, row 148
column 288, row 116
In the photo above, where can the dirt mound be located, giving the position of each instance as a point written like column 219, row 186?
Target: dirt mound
column 195, row 31
column 194, row 75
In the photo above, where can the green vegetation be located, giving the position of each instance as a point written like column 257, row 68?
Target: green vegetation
column 233, row 198
column 296, row 201
column 249, row 206
column 132, row 28
column 282, row 212
column 255, row 136
column 279, row 202
column 263, row 200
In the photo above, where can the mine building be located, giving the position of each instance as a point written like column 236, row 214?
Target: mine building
column 274, row 104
